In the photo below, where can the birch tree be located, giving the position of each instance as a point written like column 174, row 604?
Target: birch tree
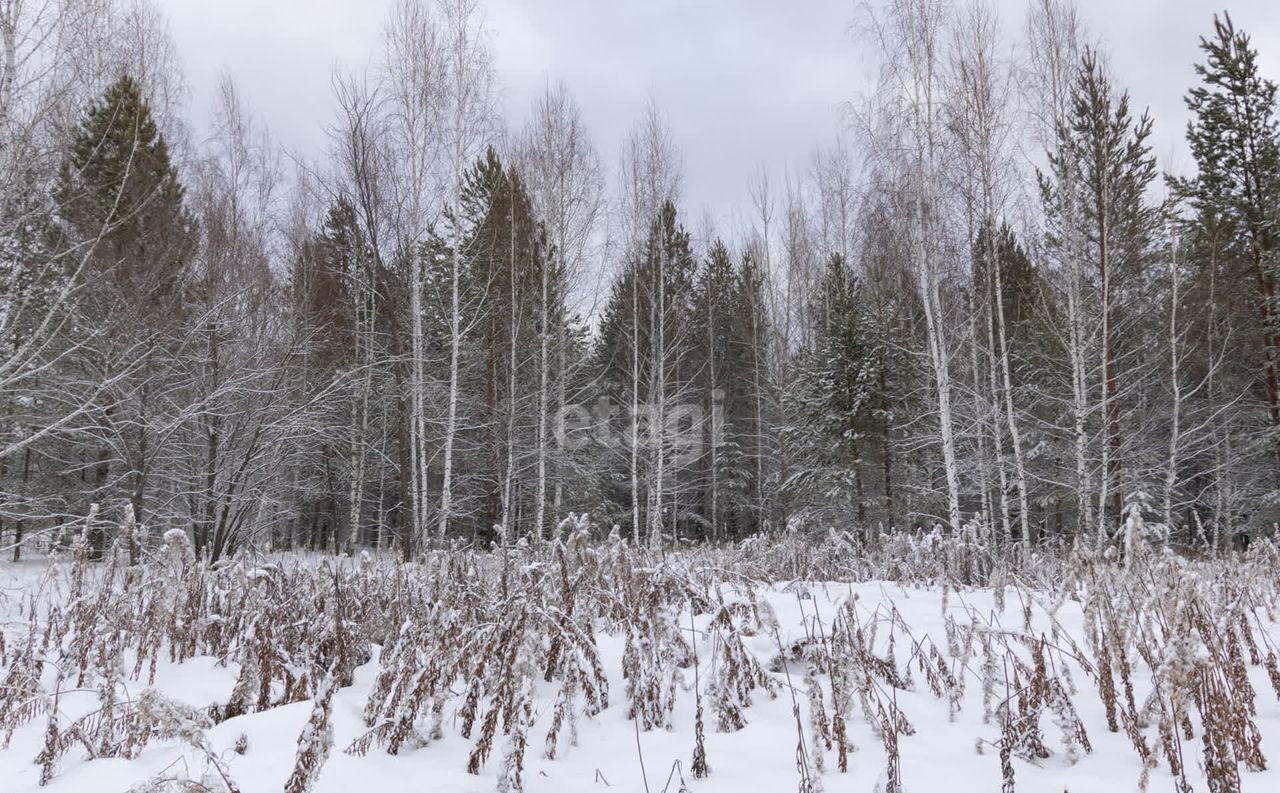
column 649, row 179
column 414, row 75
column 1054, row 38
column 978, row 110
column 466, row 114
column 562, row 170
column 235, row 413
column 909, row 35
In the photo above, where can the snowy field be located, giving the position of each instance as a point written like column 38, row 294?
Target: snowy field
column 922, row 664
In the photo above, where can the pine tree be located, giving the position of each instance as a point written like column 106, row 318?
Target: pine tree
column 1100, row 174
column 509, row 252
column 1235, row 141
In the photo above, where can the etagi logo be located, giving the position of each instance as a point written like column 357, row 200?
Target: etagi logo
column 681, row 429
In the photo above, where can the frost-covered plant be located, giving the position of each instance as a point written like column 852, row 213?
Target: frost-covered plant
column 315, row 740
column 459, row 633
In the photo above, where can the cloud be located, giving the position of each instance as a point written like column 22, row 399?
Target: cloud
column 744, row 83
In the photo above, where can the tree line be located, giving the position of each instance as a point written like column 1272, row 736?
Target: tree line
column 985, row 301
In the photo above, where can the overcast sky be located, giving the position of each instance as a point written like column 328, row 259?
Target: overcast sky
column 744, row 83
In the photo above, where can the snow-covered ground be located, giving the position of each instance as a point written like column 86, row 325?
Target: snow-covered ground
column 951, row 675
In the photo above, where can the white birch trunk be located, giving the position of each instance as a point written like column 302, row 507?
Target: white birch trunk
column 540, row 508
column 508, row 508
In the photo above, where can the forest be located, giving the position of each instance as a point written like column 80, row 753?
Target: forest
column 985, row 302
column 468, row 455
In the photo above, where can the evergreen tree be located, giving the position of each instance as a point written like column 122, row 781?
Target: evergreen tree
column 324, row 285
column 749, row 407
column 122, row 206
column 645, row 360
column 712, row 326
column 119, row 195
column 32, row 283
column 1101, row 171
column 1007, row 282
column 508, row 251
column 837, row 401
column 1022, row 292
column 726, row 338
column 1233, row 198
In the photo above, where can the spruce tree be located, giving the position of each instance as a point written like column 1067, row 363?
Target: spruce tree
column 838, row 400
column 1012, row 298
column 644, row 355
column 712, row 328
column 725, row 340
column 119, row 194
column 753, row 406
column 31, row 288
column 323, row 287
column 122, row 206
column 507, row 251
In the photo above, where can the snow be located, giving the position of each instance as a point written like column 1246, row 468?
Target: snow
column 954, row 752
